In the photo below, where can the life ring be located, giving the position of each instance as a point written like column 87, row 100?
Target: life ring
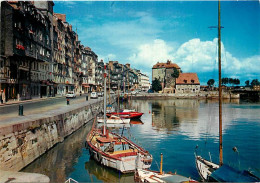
column 99, row 157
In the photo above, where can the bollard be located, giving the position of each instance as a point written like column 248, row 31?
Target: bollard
column 87, row 98
column 20, row 110
column 68, row 101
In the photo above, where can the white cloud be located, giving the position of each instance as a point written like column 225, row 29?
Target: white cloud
column 196, row 56
column 150, row 53
column 202, row 56
column 107, row 57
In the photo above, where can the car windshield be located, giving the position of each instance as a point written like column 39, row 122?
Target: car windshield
column 70, row 92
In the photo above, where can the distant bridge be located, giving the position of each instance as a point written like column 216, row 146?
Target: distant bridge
column 244, row 94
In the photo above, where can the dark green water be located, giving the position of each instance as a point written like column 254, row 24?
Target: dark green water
column 171, row 127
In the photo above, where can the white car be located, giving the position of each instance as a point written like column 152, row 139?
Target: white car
column 71, row 94
column 93, row 95
column 100, row 94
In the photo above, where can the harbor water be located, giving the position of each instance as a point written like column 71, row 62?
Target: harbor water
column 177, row 128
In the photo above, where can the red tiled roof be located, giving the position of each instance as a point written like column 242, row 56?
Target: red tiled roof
column 188, row 78
column 168, row 64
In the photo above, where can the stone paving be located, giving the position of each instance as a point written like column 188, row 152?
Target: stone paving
column 43, row 112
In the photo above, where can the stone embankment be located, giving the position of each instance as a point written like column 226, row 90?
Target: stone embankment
column 209, row 95
column 25, row 140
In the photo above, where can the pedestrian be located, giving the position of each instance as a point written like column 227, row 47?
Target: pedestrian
column 80, row 93
column 3, row 96
column 1, row 99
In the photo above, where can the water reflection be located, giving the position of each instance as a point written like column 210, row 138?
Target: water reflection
column 176, row 127
column 58, row 162
column 106, row 174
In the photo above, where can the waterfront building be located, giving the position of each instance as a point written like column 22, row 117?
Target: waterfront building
column 100, row 75
column 143, row 80
column 91, row 60
column 25, row 50
column 187, row 83
column 163, row 72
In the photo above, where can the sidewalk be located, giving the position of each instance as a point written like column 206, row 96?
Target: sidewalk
column 11, row 102
column 43, row 111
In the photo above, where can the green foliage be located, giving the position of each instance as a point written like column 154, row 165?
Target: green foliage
column 211, row 82
column 247, row 82
column 230, row 81
column 255, row 82
column 175, row 73
column 156, row 85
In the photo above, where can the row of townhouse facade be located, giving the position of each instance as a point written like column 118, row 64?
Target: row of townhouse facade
column 41, row 56
column 125, row 78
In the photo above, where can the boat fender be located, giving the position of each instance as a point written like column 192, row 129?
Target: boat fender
column 99, row 157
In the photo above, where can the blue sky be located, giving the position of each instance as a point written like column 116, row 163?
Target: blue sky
column 143, row 33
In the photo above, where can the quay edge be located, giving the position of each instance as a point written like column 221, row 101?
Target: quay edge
column 203, row 95
column 24, row 141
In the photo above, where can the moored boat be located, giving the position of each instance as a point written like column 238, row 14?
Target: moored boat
column 113, row 120
column 127, row 115
column 113, row 150
column 142, row 175
column 155, row 176
column 221, row 172
column 117, row 151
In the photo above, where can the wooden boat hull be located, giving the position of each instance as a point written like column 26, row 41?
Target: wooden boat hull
column 154, row 176
column 125, row 164
column 205, row 168
column 114, row 121
column 127, row 115
column 125, row 161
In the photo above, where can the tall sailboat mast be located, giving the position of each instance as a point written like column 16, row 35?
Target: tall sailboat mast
column 105, row 99
column 220, row 89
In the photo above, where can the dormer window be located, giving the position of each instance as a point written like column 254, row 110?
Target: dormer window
column 185, row 81
column 192, row 81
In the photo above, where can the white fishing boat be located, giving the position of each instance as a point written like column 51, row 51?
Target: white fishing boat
column 116, row 151
column 142, row 175
column 113, row 120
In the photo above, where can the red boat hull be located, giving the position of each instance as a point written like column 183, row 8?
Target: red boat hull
column 126, row 115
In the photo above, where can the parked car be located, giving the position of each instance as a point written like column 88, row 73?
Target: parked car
column 134, row 92
column 71, row 94
column 112, row 92
column 100, row 94
column 93, row 95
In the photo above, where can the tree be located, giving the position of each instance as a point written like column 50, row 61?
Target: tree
column 211, row 82
column 175, row 73
column 255, row 82
column 236, row 81
column 224, row 80
column 247, row 82
column 156, row 85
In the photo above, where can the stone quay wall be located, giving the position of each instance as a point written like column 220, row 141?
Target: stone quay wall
column 202, row 94
column 23, row 142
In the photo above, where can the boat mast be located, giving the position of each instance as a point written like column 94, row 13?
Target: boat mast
column 105, row 99
column 220, row 89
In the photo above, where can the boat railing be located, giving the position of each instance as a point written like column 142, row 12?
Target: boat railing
column 71, row 180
